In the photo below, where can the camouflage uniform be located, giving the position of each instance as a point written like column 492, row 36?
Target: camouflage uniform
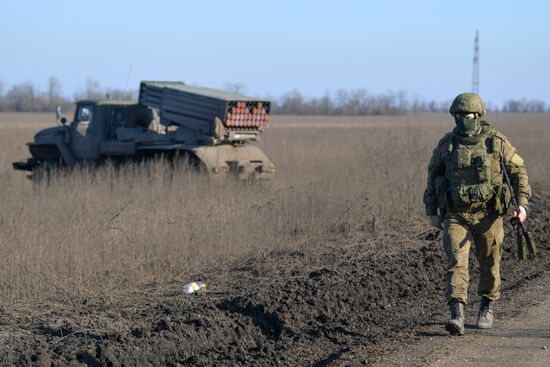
column 466, row 187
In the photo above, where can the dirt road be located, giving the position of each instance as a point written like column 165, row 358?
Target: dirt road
column 523, row 339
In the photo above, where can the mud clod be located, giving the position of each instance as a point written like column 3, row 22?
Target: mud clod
column 269, row 323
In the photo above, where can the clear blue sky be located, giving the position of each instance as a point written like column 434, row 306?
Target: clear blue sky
column 422, row 47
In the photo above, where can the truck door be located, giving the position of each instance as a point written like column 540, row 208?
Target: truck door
column 84, row 139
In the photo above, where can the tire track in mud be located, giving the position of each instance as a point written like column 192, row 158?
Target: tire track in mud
column 321, row 305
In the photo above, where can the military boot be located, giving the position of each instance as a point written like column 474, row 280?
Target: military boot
column 455, row 326
column 485, row 316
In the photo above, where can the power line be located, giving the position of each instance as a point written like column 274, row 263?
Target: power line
column 475, row 75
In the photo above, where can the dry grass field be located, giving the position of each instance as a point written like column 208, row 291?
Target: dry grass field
column 101, row 231
column 330, row 261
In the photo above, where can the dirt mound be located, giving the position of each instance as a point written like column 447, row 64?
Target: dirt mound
column 308, row 307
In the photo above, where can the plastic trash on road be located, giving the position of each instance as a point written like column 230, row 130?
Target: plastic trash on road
column 193, row 287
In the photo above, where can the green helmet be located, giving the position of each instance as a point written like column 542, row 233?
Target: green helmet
column 468, row 102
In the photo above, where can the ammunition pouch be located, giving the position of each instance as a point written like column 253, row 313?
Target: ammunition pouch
column 466, row 195
column 463, row 158
column 503, row 197
column 482, row 167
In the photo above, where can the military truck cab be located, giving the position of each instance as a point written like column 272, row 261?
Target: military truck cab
column 108, row 128
column 100, row 128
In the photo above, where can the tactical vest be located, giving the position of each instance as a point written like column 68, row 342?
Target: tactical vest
column 473, row 177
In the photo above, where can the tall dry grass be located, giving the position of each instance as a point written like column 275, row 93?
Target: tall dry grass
column 336, row 176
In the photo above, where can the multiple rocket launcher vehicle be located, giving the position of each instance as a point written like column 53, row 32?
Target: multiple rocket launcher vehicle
column 211, row 129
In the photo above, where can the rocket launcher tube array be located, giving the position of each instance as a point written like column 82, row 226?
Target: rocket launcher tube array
column 181, row 104
column 247, row 114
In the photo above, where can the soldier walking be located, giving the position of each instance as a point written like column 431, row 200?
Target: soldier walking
column 466, row 197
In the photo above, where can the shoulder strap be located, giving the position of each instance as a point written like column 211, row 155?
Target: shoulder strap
column 446, row 144
column 452, row 143
column 490, row 143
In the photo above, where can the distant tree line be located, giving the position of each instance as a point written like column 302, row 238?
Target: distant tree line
column 355, row 102
column 25, row 97
column 525, row 105
column 360, row 102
